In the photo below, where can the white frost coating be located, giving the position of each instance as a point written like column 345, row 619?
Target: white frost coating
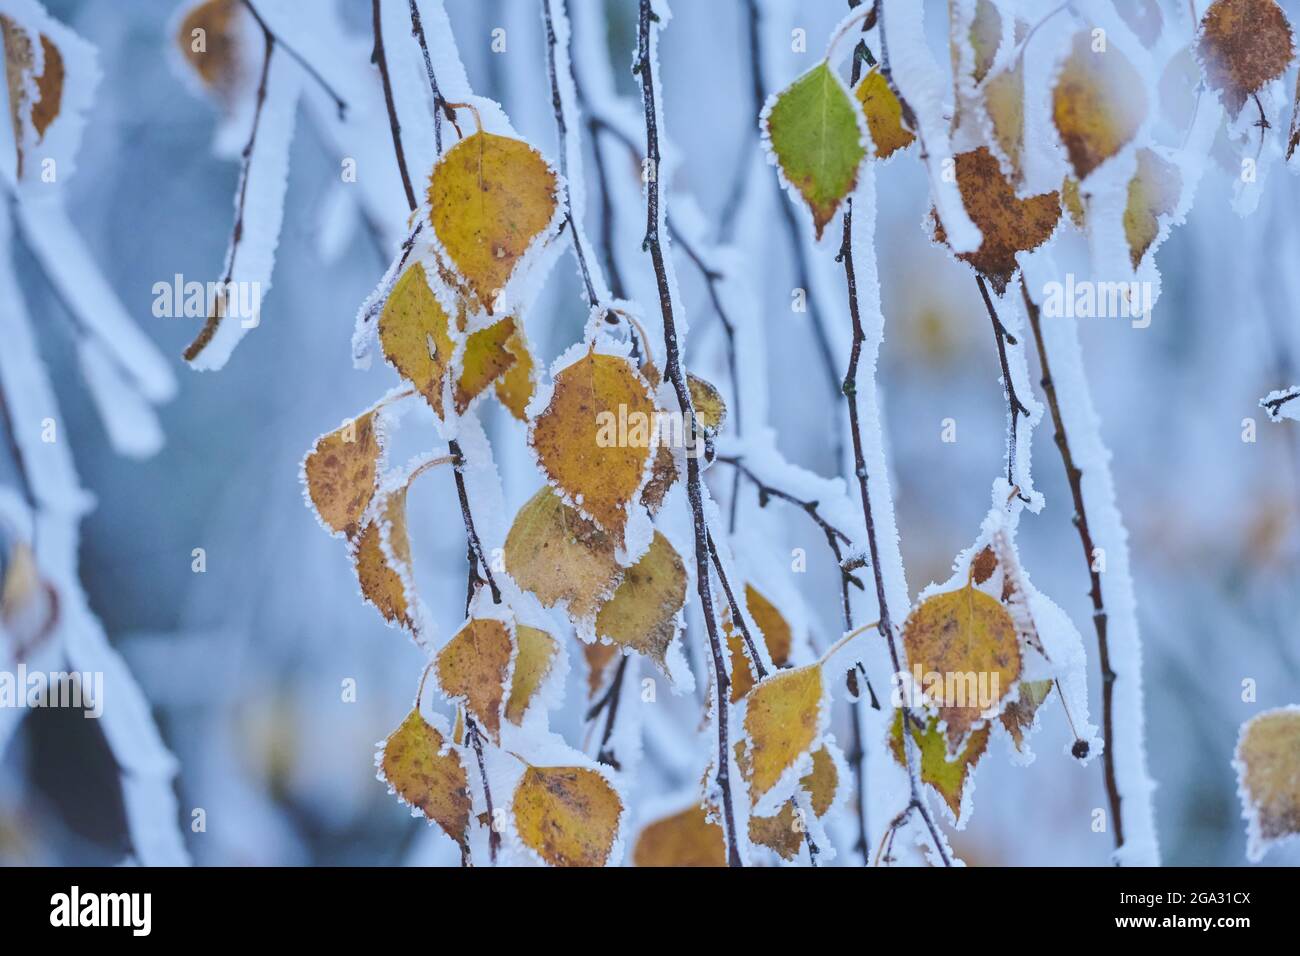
column 62, row 138
column 147, row 768
column 890, row 789
column 1256, row 843
column 67, row 262
column 132, row 427
column 263, row 185
column 1011, row 313
column 923, row 85
column 1061, row 340
column 1282, row 403
column 571, row 161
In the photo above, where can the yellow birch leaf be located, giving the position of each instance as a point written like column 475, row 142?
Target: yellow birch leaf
column 947, row 776
column 20, row 64
column 340, row 472
column 642, row 614
column 710, row 409
column 1243, row 46
column 427, row 773
column 1267, row 761
column 1009, row 224
column 415, row 334
column 773, row 628
column 688, row 838
column 216, row 60
column 822, row 782
column 383, row 575
column 776, row 629
column 985, row 37
column 488, row 356
column 568, row 815
column 782, row 722
column 594, row 438
column 782, row 832
column 1152, row 193
column 537, row 651
column 559, row 555
column 884, row 115
column 1004, row 102
column 598, row 657
column 490, row 196
column 968, row 640
column 1098, row 103
column 1019, row 714
column 663, row 475
column 1073, row 202
column 515, row 388
column 473, row 666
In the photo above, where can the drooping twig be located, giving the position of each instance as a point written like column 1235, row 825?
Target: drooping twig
column 737, row 618
column 1274, row 405
column 440, row 106
column 476, row 741
column 476, row 546
column 379, row 59
column 1014, row 404
column 237, row 231
column 673, row 367
column 1074, row 475
column 339, row 103
column 610, row 704
column 802, row 273
column 562, row 129
column 885, row 625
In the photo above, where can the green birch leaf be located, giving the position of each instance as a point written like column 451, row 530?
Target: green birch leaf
column 813, row 129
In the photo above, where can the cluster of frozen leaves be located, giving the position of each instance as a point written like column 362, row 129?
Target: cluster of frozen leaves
column 1100, row 120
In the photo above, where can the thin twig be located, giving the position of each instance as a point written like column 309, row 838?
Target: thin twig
column 821, row 337
column 379, row 59
column 606, row 752
column 339, row 103
column 1014, row 404
column 562, row 129
column 1075, row 477
column 755, row 661
column 440, row 107
column 476, row 741
column 237, row 231
column 722, row 682
column 885, row 625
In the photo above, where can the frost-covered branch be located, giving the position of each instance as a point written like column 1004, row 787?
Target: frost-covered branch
column 1128, row 788
column 646, row 69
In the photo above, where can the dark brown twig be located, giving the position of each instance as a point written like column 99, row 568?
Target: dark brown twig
column 673, row 368
column 1014, row 404
column 379, row 59
column 476, row 741
column 737, row 618
column 562, row 129
column 1075, row 477
column 237, row 231
column 606, row 753
column 885, row 625
column 340, row 104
